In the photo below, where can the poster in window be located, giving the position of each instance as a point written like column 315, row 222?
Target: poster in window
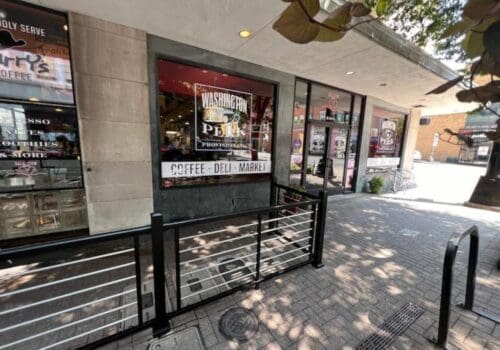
column 387, row 137
column 34, row 54
column 223, row 121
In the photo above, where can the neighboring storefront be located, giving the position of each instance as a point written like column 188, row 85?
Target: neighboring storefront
column 41, row 186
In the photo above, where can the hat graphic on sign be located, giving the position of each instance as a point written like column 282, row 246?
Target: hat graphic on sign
column 7, row 41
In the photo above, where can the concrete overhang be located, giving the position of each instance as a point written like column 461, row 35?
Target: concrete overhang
column 384, row 64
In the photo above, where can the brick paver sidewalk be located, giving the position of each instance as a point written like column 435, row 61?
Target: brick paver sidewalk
column 380, row 253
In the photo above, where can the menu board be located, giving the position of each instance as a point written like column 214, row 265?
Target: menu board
column 222, row 118
column 34, row 54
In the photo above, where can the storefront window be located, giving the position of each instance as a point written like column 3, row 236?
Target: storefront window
column 386, row 138
column 330, row 104
column 325, row 142
column 41, row 187
column 39, row 148
column 214, row 127
column 299, row 118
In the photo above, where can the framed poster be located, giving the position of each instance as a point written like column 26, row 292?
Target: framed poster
column 34, row 54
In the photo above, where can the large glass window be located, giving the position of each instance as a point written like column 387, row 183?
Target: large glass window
column 386, row 138
column 298, row 129
column 214, row 127
column 39, row 148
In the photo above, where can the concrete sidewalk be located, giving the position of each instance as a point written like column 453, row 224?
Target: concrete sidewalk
column 380, row 254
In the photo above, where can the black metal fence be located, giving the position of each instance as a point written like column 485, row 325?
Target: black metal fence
column 88, row 291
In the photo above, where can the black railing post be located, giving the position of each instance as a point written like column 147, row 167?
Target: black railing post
column 471, row 269
column 320, row 229
column 259, row 240
column 446, row 288
column 447, row 281
column 138, row 279
column 177, row 269
column 161, row 324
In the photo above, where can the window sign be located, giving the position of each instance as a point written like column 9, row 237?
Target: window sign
column 34, row 54
column 386, row 138
column 39, row 147
column 214, row 127
column 223, row 120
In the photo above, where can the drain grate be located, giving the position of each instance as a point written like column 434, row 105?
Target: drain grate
column 392, row 327
column 239, row 324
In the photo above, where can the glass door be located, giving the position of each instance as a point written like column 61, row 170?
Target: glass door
column 325, row 137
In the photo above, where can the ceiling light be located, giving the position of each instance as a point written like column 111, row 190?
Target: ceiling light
column 349, row 73
column 34, row 99
column 245, row 33
column 179, row 116
column 65, row 27
column 58, row 110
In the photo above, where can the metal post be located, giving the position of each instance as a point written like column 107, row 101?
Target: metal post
column 161, row 325
column 446, row 287
column 177, row 268
column 471, row 269
column 320, row 230
column 138, row 280
column 259, row 240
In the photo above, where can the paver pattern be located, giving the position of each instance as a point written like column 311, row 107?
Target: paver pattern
column 381, row 252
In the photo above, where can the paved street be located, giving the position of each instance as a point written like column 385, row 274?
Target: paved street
column 381, row 252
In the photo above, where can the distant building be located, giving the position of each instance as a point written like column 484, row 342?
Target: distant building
column 435, row 144
column 432, row 147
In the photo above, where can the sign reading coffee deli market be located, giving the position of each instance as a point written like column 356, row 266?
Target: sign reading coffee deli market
column 214, row 168
column 222, row 119
column 34, row 54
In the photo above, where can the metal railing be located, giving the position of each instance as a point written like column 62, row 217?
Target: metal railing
column 63, row 293
column 447, row 281
column 88, row 291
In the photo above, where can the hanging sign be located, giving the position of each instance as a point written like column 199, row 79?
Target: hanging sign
column 387, row 137
column 34, row 54
column 214, row 168
column 222, row 118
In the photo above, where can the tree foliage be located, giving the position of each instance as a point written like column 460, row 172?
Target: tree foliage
column 462, row 29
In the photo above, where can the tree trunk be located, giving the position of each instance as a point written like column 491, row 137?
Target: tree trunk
column 487, row 191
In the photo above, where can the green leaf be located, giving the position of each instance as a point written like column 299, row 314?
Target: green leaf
column 473, row 44
column 446, row 86
column 294, row 24
column 458, row 28
column 382, row 7
column 332, row 28
column 327, row 35
column 482, row 94
column 491, row 41
column 312, row 6
column 480, row 9
column 359, row 10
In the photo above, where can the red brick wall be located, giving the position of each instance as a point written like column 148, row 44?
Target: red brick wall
column 444, row 151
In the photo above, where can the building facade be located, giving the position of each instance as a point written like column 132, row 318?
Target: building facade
column 125, row 122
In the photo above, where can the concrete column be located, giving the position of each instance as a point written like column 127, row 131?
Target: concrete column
column 412, row 126
column 110, row 73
